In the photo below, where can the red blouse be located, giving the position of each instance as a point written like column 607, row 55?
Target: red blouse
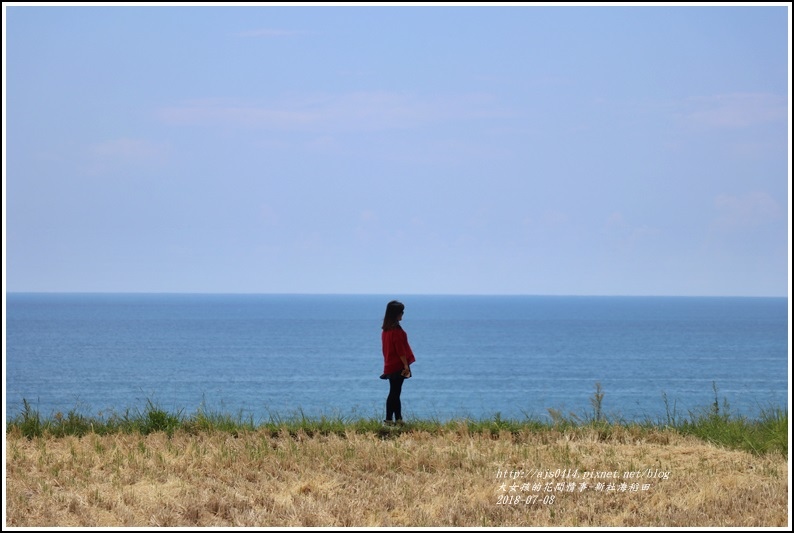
column 395, row 344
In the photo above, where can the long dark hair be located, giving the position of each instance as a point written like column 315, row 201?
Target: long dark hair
column 391, row 319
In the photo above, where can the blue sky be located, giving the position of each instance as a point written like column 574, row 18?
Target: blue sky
column 521, row 149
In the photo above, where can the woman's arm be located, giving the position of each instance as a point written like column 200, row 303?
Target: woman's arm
column 406, row 371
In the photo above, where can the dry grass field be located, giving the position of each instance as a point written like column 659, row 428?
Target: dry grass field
column 402, row 477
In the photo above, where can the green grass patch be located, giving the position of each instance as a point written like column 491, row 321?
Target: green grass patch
column 759, row 436
column 767, row 433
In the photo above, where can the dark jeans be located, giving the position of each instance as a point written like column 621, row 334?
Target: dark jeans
column 393, row 406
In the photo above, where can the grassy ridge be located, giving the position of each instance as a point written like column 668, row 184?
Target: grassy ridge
column 152, row 468
column 715, row 424
column 458, row 474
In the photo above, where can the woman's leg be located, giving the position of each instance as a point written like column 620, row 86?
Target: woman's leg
column 393, row 405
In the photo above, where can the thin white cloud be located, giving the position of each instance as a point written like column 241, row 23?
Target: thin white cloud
column 625, row 235
column 269, row 33
column 735, row 110
column 127, row 149
column 368, row 215
column 359, row 111
column 104, row 156
column 268, row 216
column 748, row 211
column 550, row 219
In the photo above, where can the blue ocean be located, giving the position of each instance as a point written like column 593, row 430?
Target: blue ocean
column 265, row 357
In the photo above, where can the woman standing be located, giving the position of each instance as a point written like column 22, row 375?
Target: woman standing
column 397, row 359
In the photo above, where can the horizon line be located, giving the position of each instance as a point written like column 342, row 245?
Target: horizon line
column 387, row 294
